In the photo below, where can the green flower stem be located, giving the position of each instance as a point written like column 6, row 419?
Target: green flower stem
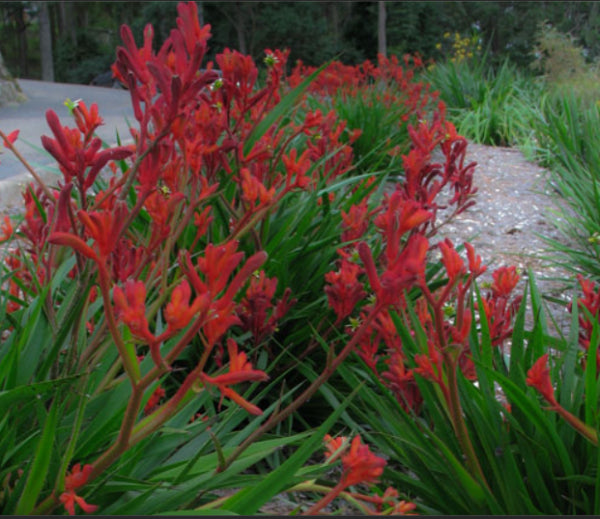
column 581, row 427
column 452, row 394
column 458, row 422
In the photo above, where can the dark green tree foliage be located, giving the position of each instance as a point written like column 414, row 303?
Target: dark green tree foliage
column 81, row 62
column 361, row 33
column 415, row 27
column 161, row 15
column 313, row 31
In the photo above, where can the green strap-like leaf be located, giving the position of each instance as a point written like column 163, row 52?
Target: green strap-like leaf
column 41, row 462
column 249, row 500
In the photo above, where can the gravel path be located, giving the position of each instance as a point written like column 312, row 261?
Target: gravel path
column 513, row 208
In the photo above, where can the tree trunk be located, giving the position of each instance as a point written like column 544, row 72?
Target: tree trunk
column 240, row 28
column 66, row 25
column 45, row 42
column 21, row 23
column 381, row 34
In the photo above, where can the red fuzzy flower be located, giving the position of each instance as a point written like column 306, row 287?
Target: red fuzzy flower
column 505, row 280
column 179, row 312
column 6, row 230
column 538, row 377
column 344, row 290
column 77, row 478
column 360, row 465
column 240, row 370
column 131, row 308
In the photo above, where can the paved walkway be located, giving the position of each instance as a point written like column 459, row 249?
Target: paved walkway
column 30, row 118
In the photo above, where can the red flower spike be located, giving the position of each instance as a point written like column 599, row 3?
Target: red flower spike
column 189, row 26
column 254, row 190
column 179, row 312
column 360, row 465
column 356, row 221
column 218, row 263
column 104, row 226
column 63, row 221
column 240, row 370
column 296, row 168
column 454, row 264
column 475, row 266
column 406, row 269
column 131, row 308
column 344, row 291
column 591, row 302
column 538, row 377
column 335, row 447
column 239, row 400
column 59, row 133
column 401, row 382
column 256, row 311
column 77, row 478
column 364, row 251
column 101, row 159
column 87, row 120
column 6, row 230
column 70, row 240
column 505, row 280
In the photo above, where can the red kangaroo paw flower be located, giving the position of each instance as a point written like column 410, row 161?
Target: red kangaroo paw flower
column 179, row 312
column 360, row 465
column 344, row 291
column 475, row 266
column 77, row 478
column 240, row 370
column 104, row 226
column 101, row 159
column 6, row 230
column 131, row 308
column 87, row 120
column 538, row 377
column 256, row 312
column 335, row 447
column 505, row 280
column 189, row 26
column 70, row 240
column 454, row 264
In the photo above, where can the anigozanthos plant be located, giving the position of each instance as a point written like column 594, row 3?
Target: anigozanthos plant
column 143, row 281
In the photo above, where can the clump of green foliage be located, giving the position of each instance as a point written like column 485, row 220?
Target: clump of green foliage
column 563, row 65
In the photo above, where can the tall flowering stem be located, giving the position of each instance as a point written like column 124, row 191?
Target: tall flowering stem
column 165, row 242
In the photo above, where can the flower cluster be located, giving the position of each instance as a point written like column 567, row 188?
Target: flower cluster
column 167, row 238
column 360, row 466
